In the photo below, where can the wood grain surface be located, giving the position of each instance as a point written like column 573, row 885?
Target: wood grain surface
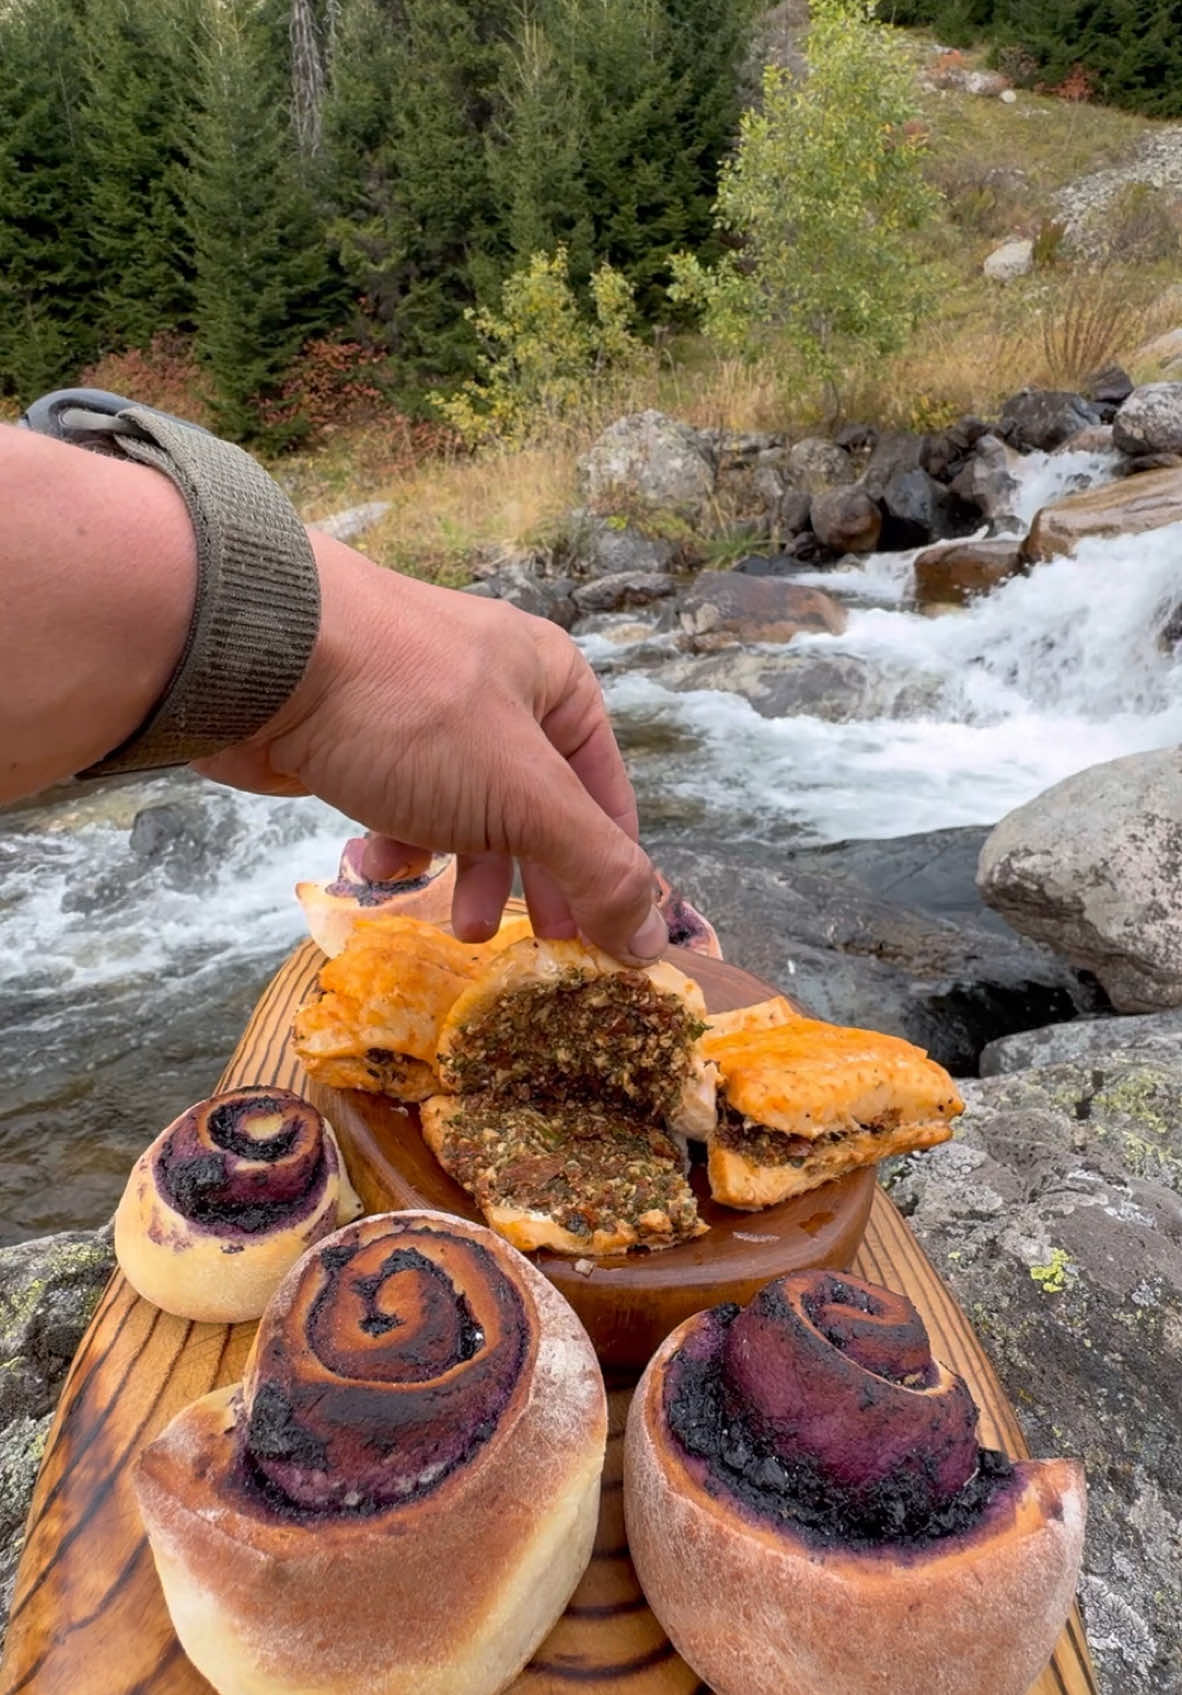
column 88, row 1617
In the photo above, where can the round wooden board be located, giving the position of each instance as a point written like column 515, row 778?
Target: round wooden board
column 88, row 1617
column 629, row 1302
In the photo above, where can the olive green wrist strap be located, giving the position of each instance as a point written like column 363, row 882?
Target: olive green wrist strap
column 257, row 608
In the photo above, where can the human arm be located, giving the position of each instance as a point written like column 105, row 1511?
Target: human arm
column 435, row 719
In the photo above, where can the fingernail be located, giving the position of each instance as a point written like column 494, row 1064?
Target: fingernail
column 651, row 939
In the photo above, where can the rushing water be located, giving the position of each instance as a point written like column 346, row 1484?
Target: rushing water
column 129, row 960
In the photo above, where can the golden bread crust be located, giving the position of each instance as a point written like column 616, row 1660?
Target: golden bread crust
column 448, row 1593
column 739, row 1180
column 220, row 1275
column 974, row 1612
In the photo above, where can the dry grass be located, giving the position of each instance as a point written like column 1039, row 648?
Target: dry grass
column 494, row 504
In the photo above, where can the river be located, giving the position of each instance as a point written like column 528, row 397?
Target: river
column 130, row 957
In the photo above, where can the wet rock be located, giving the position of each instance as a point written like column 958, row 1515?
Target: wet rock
column 607, row 547
column 1150, row 421
column 1092, row 868
column 846, row 520
column 354, row 521
column 176, row 836
column 988, row 480
column 724, row 606
column 1043, row 419
column 959, row 572
column 1157, row 1033
column 838, row 687
column 648, row 460
column 1147, row 501
column 816, row 465
column 1055, row 1216
column 1013, row 259
column 919, row 510
column 889, row 935
column 768, row 565
column 624, row 589
column 1097, row 438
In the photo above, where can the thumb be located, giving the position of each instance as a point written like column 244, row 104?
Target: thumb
column 606, row 880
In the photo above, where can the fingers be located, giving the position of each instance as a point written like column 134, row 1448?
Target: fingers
column 384, row 859
column 577, row 859
column 579, row 728
column 483, row 882
column 549, row 909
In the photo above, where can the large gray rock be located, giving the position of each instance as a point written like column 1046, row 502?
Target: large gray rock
column 1158, row 1033
column 1093, row 868
column 1043, row 419
column 607, row 547
column 1013, row 259
column 621, row 590
column 1056, row 1217
column 648, row 460
column 815, row 465
column 49, row 1287
column 919, row 510
column 544, row 597
column 846, row 520
column 722, row 607
column 1150, row 421
column 988, row 479
column 838, row 687
column 890, row 935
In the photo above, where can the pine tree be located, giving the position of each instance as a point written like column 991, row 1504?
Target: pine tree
column 419, row 239
column 47, row 275
column 136, row 108
column 263, row 280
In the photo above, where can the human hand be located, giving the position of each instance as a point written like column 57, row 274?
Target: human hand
column 445, row 722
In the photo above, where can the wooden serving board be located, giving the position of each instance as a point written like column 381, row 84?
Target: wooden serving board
column 88, row 1617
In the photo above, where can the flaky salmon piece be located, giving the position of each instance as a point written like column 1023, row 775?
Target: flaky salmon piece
column 374, row 1017
column 803, row 1102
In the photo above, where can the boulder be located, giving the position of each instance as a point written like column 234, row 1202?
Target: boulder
column 768, row 565
column 353, row 522
column 1147, row 501
column 1039, row 420
column 1086, row 1039
column 838, row 687
column 1013, row 259
column 794, row 512
column 955, row 574
column 894, row 452
column 545, row 597
column 648, row 460
column 1110, row 387
column 988, row 480
column 857, row 438
column 846, row 520
column 889, row 935
column 721, row 607
column 1093, row 868
column 919, row 510
column 1054, row 1217
column 605, row 547
column 49, row 1287
column 1162, row 356
column 816, row 465
column 1150, row 421
column 1097, row 438
column 624, row 589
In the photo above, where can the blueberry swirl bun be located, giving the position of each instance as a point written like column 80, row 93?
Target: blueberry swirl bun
column 848, row 1533
column 331, row 910
column 226, row 1199
column 403, row 1492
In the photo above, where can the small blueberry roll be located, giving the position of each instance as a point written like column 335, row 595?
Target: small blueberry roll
column 226, row 1199
column 403, row 1492
column 809, row 1509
